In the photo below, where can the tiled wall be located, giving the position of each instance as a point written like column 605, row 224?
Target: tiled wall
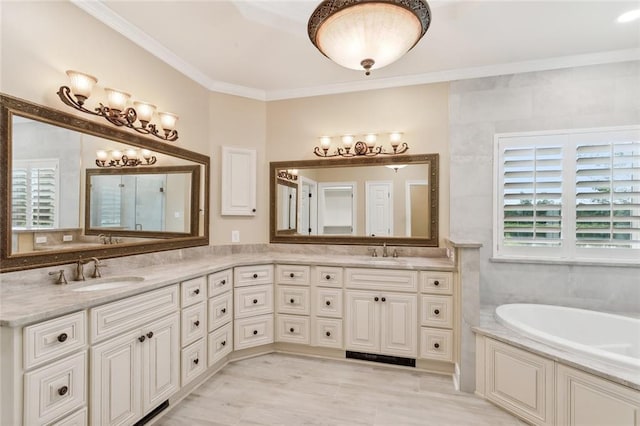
column 583, row 97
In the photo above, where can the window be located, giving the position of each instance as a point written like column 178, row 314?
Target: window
column 571, row 195
column 34, row 195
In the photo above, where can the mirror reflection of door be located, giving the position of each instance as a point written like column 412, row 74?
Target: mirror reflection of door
column 417, row 205
column 287, row 206
column 379, row 208
column 336, row 208
column 308, row 201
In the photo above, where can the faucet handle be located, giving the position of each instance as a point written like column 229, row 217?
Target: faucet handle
column 96, row 270
column 61, row 278
column 373, row 251
column 395, row 252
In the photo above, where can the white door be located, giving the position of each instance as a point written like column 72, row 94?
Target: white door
column 362, row 321
column 238, row 191
column 337, row 208
column 379, row 210
column 116, row 380
column 398, row 319
column 161, row 361
column 308, row 202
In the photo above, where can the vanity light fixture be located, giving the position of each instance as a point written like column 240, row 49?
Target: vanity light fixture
column 289, row 174
column 396, row 167
column 368, row 34
column 117, row 112
column 367, row 148
column 129, row 158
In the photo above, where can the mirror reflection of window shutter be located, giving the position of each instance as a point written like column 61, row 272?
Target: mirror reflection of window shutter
column 34, row 192
column 19, row 196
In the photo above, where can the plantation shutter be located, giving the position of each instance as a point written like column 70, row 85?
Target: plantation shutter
column 43, row 196
column 608, row 194
column 532, row 195
column 19, row 197
column 34, row 194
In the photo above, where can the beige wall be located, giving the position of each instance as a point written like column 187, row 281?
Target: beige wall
column 421, row 112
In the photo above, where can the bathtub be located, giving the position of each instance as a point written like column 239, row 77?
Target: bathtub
column 614, row 339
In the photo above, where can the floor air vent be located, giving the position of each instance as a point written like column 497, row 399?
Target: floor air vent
column 386, row 359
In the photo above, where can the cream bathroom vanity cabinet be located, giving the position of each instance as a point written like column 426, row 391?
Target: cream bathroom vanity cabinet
column 115, row 363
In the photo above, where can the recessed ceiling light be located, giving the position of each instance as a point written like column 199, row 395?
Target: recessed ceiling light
column 629, row 16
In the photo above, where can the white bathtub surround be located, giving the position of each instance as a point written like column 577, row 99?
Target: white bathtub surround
column 613, row 339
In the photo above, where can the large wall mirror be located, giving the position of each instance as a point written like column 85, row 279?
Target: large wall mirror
column 356, row 201
column 59, row 206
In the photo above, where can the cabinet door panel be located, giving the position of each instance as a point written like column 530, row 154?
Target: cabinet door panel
column 161, row 356
column 116, row 380
column 398, row 325
column 238, row 189
column 362, row 326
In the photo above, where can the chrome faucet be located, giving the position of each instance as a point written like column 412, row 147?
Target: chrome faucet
column 384, row 250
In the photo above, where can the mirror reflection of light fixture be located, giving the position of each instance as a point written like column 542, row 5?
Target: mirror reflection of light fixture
column 396, row 167
column 360, row 148
column 368, row 34
column 116, row 158
column 289, row 174
column 117, row 113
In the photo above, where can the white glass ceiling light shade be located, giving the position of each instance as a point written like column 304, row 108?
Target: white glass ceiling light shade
column 368, row 34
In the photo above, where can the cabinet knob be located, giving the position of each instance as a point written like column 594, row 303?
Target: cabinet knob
column 328, row 333
column 384, row 299
column 436, row 283
column 63, row 390
column 255, row 301
column 436, row 345
column 436, row 311
column 292, row 275
column 141, row 338
column 327, row 277
column 223, row 282
column 328, row 303
column 196, row 361
column 291, row 330
column 224, row 342
column 255, row 332
column 292, row 301
column 196, row 291
column 62, row 337
column 375, row 299
column 196, row 323
column 150, row 334
column 223, row 310
column 253, row 210
column 255, row 275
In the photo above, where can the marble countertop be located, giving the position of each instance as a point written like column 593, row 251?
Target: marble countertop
column 23, row 303
column 491, row 328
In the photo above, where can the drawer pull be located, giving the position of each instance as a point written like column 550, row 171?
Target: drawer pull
column 62, row 337
column 292, row 275
column 150, row 334
column 196, row 361
column 223, row 282
column 328, row 333
column 436, row 311
column 255, row 275
column 224, row 342
column 196, row 323
column 328, row 303
column 223, row 310
column 141, row 338
column 291, row 330
column 436, row 283
column 255, row 301
column 255, row 332
column 384, row 299
column 196, row 291
column 436, row 345
column 375, row 299
column 292, row 301
column 327, row 277
column 63, row 390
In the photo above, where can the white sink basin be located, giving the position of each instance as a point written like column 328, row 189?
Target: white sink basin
column 108, row 283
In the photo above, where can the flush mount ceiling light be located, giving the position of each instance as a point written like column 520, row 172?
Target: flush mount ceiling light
column 368, row 34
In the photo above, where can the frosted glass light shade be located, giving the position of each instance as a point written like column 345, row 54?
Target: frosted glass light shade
column 168, row 120
column 81, row 83
column 117, row 100
column 368, row 34
column 325, row 141
column 144, row 110
column 347, row 140
column 102, row 155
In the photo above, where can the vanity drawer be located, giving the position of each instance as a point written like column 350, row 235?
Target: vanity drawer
column 292, row 274
column 292, row 329
column 220, row 343
column 255, row 300
column 193, row 291
column 327, row 302
column 293, row 300
column 254, row 331
column 327, row 333
column 220, row 310
column 436, row 282
column 56, row 389
column 437, row 311
column 193, row 323
column 194, row 361
column 49, row 339
column 79, row 418
column 220, row 282
column 117, row 317
column 327, row 276
column 252, row 275
column 382, row 279
column 436, row 344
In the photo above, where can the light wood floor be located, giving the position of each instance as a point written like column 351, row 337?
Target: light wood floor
column 279, row 389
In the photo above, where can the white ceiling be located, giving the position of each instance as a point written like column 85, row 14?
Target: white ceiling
column 260, row 48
